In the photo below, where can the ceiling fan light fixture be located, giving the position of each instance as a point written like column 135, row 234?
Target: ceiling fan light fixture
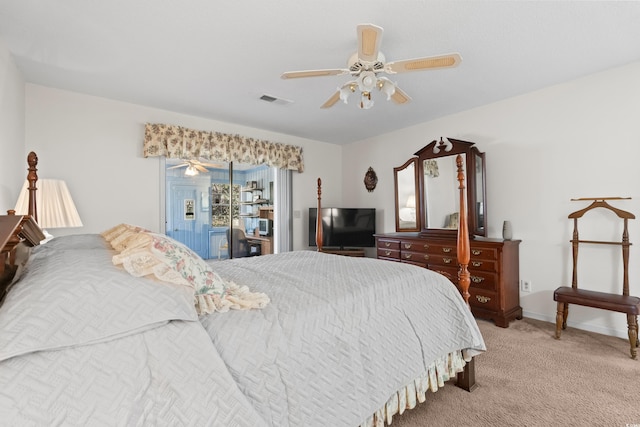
column 365, row 101
column 367, row 81
column 387, row 87
column 191, row 171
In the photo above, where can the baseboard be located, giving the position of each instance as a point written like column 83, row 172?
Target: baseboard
column 578, row 325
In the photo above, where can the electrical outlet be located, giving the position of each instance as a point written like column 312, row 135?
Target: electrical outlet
column 525, row 285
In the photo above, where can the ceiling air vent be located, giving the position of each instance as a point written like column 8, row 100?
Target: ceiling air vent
column 272, row 99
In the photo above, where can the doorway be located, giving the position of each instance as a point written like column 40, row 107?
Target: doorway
column 218, row 213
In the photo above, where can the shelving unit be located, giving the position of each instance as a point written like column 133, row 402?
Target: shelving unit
column 251, row 208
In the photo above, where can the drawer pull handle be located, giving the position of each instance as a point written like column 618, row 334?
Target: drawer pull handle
column 446, row 250
column 407, row 245
column 387, row 244
column 476, row 263
column 482, row 299
column 407, row 256
column 477, row 279
column 426, row 257
column 425, row 246
column 387, row 253
column 476, row 252
column 447, row 260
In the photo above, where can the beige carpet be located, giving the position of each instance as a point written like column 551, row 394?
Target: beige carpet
column 527, row 378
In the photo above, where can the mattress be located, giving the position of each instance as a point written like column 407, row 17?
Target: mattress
column 340, row 336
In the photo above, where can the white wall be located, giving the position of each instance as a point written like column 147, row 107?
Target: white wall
column 12, row 173
column 579, row 139
column 95, row 144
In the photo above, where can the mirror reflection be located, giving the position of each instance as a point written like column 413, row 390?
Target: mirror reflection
column 406, row 194
column 479, row 191
column 442, row 202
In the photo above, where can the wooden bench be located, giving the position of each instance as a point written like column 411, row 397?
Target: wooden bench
column 622, row 302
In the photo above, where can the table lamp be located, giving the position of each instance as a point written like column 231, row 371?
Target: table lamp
column 54, row 205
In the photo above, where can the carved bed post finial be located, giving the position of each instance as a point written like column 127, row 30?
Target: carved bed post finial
column 464, row 277
column 319, row 236
column 32, row 177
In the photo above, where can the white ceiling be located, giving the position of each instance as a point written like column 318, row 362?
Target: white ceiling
column 216, row 58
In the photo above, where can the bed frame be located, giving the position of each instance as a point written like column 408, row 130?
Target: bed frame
column 466, row 379
column 18, row 230
column 23, row 229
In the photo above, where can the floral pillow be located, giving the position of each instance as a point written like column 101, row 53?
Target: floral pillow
column 170, row 261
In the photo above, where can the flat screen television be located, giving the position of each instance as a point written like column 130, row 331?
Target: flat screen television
column 344, row 227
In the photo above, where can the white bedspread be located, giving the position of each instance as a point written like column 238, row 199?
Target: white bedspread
column 82, row 342
column 340, row 335
column 85, row 344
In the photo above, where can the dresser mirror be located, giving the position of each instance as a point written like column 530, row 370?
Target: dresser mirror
column 438, row 193
column 406, row 195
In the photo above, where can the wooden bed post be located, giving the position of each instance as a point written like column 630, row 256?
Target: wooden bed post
column 467, row 378
column 32, row 177
column 319, row 236
column 464, row 277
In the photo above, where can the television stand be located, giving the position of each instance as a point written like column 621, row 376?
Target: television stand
column 356, row 252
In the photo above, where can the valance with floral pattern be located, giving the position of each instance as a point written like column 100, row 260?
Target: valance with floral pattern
column 179, row 142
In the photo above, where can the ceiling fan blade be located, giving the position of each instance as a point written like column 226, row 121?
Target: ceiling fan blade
column 331, row 101
column 369, row 38
column 211, row 165
column 400, row 96
column 314, row 73
column 200, row 168
column 426, row 63
column 179, row 166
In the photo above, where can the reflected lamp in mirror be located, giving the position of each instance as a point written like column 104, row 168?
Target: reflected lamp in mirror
column 55, row 207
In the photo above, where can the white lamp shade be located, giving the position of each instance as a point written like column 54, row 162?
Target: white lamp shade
column 53, row 202
column 411, row 201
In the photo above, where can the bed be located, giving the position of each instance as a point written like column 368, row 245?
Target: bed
column 295, row 339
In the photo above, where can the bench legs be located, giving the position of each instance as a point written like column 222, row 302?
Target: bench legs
column 561, row 318
column 632, row 321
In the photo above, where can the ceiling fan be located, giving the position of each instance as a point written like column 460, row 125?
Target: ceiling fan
column 194, row 167
column 366, row 65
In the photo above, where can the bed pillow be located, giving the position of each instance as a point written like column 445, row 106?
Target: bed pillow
column 73, row 242
column 70, row 297
column 118, row 235
column 170, row 261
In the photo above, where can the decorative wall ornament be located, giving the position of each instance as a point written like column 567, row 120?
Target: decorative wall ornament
column 370, row 180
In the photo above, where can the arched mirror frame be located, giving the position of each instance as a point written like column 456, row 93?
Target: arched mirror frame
column 475, row 166
column 405, row 188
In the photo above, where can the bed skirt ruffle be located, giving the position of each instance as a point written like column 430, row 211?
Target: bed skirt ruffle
column 439, row 371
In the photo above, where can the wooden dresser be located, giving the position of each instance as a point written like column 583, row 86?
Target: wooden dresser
column 494, row 268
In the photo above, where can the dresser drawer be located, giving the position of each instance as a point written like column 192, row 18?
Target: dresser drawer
column 438, row 249
column 414, row 246
column 484, row 280
column 484, row 253
column 483, row 299
column 388, row 244
column 444, row 260
column 415, row 257
column 388, row 253
column 482, row 265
